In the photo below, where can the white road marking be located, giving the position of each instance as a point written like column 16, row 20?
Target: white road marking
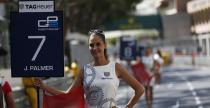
column 170, row 85
column 190, row 86
column 177, row 105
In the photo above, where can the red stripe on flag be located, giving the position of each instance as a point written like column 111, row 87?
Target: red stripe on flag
column 73, row 99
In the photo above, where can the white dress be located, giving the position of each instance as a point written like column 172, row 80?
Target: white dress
column 148, row 62
column 100, row 85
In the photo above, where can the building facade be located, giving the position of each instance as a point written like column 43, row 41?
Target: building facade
column 199, row 11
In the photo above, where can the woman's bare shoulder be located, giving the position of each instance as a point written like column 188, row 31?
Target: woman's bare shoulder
column 119, row 69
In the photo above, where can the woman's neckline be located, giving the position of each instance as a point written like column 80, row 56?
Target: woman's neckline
column 101, row 65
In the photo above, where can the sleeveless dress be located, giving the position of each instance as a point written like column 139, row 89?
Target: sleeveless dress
column 148, row 62
column 100, row 85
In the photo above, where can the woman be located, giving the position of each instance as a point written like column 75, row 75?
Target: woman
column 149, row 65
column 100, row 78
column 158, row 64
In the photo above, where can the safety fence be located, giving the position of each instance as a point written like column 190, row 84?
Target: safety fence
column 192, row 60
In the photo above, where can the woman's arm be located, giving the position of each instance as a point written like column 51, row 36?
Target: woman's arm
column 9, row 100
column 139, row 89
column 39, row 83
column 53, row 91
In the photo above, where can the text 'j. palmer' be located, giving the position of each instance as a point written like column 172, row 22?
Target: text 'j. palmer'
column 38, row 68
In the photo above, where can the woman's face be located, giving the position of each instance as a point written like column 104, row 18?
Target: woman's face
column 96, row 46
column 148, row 51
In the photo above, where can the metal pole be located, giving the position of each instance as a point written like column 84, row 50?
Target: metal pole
column 38, row 101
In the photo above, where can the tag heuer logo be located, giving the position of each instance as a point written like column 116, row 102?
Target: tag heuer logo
column 106, row 74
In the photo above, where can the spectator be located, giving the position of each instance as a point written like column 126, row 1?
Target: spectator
column 158, row 64
column 149, row 64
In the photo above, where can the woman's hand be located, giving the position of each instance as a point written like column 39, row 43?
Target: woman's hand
column 38, row 83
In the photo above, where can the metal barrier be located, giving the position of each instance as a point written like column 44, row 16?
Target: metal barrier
column 20, row 97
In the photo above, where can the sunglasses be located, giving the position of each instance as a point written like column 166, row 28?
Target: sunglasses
column 97, row 31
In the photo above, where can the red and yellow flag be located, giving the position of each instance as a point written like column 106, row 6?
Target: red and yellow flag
column 73, row 99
